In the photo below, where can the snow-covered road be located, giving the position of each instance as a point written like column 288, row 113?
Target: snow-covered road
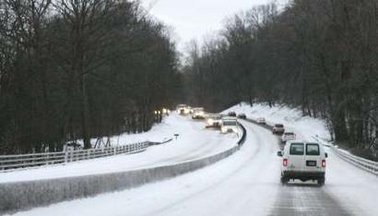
column 242, row 183
column 246, row 183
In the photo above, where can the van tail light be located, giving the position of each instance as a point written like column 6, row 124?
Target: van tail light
column 285, row 162
column 324, row 163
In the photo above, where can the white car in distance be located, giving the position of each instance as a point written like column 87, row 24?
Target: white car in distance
column 198, row 113
column 288, row 135
column 229, row 125
column 213, row 120
column 261, row 120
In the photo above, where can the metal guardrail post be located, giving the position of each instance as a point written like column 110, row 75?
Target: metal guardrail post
column 47, row 159
column 65, row 156
column 71, row 155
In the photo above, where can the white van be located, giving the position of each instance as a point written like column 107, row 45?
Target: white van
column 286, row 136
column 229, row 124
column 303, row 160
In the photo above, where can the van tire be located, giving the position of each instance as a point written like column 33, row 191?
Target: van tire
column 284, row 180
column 321, row 182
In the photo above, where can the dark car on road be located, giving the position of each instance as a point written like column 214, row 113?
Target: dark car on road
column 242, row 116
column 232, row 114
column 278, row 129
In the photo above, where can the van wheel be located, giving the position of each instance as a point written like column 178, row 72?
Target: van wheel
column 321, row 182
column 284, row 180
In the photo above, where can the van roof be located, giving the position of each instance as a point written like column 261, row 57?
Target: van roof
column 301, row 141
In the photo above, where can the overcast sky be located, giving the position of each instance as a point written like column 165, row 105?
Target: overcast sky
column 196, row 19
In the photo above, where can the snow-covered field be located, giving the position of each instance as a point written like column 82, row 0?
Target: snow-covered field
column 246, row 183
column 193, row 142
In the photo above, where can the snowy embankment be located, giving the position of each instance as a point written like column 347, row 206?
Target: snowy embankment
column 193, row 142
column 304, row 126
column 194, row 148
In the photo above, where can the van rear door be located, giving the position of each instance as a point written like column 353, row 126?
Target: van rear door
column 296, row 157
column 313, row 159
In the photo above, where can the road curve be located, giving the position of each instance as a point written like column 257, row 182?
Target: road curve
column 246, row 183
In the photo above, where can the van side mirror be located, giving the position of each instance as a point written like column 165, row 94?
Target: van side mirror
column 279, row 153
column 326, row 154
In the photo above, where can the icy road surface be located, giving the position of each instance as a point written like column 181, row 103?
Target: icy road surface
column 194, row 142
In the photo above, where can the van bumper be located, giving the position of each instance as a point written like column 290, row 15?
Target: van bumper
column 304, row 176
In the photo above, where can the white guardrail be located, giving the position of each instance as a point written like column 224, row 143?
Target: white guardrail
column 12, row 162
column 367, row 165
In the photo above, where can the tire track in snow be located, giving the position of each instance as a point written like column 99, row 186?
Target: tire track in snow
column 298, row 198
column 306, row 199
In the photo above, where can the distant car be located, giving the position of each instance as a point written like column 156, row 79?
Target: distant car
column 232, row 114
column 304, row 161
column 278, row 129
column 198, row 113
column 286, row 136
column 213, row 120
column 182, row 109
column 229, row 125
column 242, row 116
column 261, row 120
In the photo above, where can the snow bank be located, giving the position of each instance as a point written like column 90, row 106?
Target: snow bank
column 193, row 142
column 27, row 194
column 159, row 133
column 21, row 195
column 306, row 127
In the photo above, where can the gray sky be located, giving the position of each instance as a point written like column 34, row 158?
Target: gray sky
column 196, row 19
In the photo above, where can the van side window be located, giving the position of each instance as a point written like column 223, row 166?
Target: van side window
column 296, row 149
column 312, row 149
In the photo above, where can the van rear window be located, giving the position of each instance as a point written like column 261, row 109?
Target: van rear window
column 296, row 149
column 312, row 149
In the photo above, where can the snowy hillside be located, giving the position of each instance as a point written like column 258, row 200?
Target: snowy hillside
column 306, row 127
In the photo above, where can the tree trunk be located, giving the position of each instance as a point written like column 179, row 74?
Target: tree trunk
column 85, row 114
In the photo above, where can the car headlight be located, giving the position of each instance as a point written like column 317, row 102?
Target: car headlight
column 210, row 122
